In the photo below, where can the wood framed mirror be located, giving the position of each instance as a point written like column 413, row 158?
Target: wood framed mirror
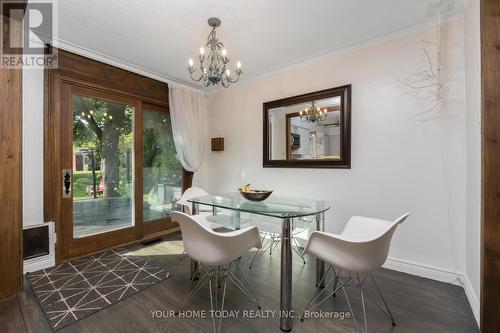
column 309, row 131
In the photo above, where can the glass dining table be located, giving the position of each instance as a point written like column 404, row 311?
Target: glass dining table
column 284, row 209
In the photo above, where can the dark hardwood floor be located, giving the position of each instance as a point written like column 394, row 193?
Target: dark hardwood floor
column 418, row 304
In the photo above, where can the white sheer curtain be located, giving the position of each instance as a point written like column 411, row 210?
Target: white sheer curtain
column 188, row 112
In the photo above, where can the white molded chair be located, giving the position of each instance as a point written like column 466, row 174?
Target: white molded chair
column 271, row 236
column 217, row 254
column 361, row 248
column 185, row 205
column 219, row 221
column 271, row 231
column 188, row 194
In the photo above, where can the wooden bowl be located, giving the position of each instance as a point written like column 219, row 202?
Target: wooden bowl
column 256, row 195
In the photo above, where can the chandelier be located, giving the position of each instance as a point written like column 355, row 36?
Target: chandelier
column 312, row 115
column 213, row 65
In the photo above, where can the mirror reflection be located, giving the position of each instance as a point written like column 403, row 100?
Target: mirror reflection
column 306, row 131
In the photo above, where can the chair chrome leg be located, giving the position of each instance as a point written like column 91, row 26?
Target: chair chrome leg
column 200, row 283
column 315, row 291
column 249, row 288
column 389, row 314
column 223, row 298
column 248, row 292
column 336, row 281
column 261, row 251
column 211, row 303
column 350, row 308
column 315, row 297
column 364, row 310
column 274, row 244
column 296, row 249
column 195, row 276
column 216, row 275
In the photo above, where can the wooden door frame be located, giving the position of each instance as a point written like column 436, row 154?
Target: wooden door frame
column 90, row 74
column 490, row 146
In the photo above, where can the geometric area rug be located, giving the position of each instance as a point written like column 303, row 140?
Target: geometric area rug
column 76, row 289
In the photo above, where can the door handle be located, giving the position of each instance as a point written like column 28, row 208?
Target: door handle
column 67, row 180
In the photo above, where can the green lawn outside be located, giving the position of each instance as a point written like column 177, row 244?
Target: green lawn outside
column 82, row 179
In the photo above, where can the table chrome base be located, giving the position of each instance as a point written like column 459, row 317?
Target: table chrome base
column 286, row 277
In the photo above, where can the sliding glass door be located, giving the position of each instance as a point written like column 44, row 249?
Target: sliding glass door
column 162, row 171
column 120, row 173
column 103, row 164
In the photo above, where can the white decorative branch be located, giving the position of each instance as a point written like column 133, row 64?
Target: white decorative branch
column 428, row 84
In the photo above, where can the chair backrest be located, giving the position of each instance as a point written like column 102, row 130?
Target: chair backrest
column 372, row 239
column 363, row 245
column 211, row 248
column 188, row 194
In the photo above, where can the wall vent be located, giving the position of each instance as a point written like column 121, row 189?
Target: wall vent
column 38, row 246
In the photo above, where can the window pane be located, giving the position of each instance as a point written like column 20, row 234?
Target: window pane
column 103, row 177
column 162, row 173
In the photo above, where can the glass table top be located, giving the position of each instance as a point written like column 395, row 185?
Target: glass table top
column 274, row 206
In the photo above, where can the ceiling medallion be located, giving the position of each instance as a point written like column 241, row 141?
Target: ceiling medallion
column 212, row 66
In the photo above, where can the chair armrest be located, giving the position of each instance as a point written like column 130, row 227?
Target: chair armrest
column 239, row 242
column 248, row 233
column 351, row 256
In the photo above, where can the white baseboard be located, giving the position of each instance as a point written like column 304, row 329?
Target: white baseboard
column 472, row 297
column 33, row 265
column 438, row 274
column 423, row 270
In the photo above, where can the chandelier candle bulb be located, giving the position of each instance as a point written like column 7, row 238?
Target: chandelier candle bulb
column 191, row 62
column 224, row 52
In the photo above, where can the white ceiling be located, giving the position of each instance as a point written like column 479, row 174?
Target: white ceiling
column 160, row 36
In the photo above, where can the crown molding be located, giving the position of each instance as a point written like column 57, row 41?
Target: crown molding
column 327, row 54
column 333, row 53
column 91, row 54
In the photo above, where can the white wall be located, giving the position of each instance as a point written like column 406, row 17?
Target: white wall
column 398, row 164
column 32, row 146
column 473, row 130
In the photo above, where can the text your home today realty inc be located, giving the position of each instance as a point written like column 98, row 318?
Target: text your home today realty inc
column 248, row 314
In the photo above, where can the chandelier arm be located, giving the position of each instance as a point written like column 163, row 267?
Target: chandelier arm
column 198, row 79
column 233, row 80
